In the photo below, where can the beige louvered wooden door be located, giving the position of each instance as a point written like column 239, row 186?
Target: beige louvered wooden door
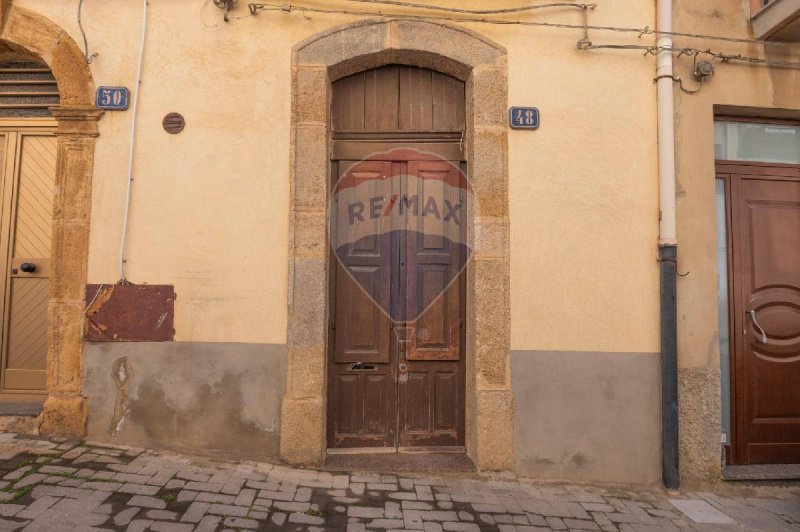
column 27, row 205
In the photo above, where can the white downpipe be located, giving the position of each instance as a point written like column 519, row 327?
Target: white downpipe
column 131, row 154
column 666, row 129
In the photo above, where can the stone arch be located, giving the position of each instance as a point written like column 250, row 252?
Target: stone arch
column 27, row 32
column 316, row 63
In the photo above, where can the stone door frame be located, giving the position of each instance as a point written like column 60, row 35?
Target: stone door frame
column 65, row 409
column 482, row 65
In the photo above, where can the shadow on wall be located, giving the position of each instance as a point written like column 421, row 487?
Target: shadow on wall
column 216, row 399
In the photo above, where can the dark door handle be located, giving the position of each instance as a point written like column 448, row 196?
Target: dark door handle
column 763, row 339
column 27, row 267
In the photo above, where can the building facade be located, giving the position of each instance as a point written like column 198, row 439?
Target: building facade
column 195, row 300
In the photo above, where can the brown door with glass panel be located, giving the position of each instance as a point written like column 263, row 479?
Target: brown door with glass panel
column 395, row 380
column 764, row 206
column 28, row 183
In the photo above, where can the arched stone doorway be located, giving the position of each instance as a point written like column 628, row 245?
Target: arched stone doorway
column 481, row 64
column 28, row 34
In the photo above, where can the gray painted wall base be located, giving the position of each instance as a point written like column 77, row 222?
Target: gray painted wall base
column 587, row 416
column 218, row 399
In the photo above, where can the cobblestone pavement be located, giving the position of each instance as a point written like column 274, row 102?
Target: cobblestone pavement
column 52, row 485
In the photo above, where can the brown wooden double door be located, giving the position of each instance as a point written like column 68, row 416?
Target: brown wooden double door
column 764, row 256
column 396, row 370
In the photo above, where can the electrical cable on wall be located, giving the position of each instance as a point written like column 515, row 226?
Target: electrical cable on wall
column 89, row 57
column 255, row 8
column 126, row 216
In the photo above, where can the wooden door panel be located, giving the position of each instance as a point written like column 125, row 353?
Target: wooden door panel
column 30, row 242
column 766, row 276
column 436, row 256
column 362, row 413
column 363, row 271
column 431, row 406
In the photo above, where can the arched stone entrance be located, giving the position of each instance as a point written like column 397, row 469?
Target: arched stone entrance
column 23, row 30
column 481, row 64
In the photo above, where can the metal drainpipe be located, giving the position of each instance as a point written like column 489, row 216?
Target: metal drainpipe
column 667, row 252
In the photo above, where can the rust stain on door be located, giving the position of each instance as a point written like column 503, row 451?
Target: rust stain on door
column 130, row 313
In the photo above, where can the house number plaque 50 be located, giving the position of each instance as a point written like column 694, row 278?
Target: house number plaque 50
column 523, row 118
column 113, row 98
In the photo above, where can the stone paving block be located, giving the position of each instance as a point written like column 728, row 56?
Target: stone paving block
column 556, row 523
column 54, row 469
column 18, row 473
column 147, row 502
column 341, row 482
column 203, row 486
column 285, row 506
column 392, row 510
column 191, row 475
column 162, row 515
column 131, row 478
column 579, row 524
column 437, row 515
column 186, row 495
column 365, row 478
column 433, row 527
column 138, row 489
column 489, row 508
column 267, row 486
column 365, row 511
column 278, row 518
column 519, row 520
column 303, row 494
column 357, row 488
column 160, row 480
column 403, row 496
column 227, row 509
column 445, row 505
column 303, row 519
column 241, row 522
column 245, row 497
column 215, row 497
column 255, row 514
column 103, row 475
column 700, row 512
column 618, row 518
column 101, row 486
column 406, row 484
column 597, row 507
column 276, row 495
column 424, row 493
column 220, row 477
column 195, row 512
column 38, row 507
column 386, row 524
column 536, row 520
column 165, row 526
column 175, row 483
column 124, row 517
column 139, row 525
column 29, row 480
column 10, row 510
column 381, row 486
column 356, row 527
column 461, row 527
column 415, row 505
column 233, row 486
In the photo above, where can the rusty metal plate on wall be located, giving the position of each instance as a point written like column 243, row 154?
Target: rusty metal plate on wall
column 130, row 313
column 173, row 123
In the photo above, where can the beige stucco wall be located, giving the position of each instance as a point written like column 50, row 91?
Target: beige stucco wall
column 210, row 206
